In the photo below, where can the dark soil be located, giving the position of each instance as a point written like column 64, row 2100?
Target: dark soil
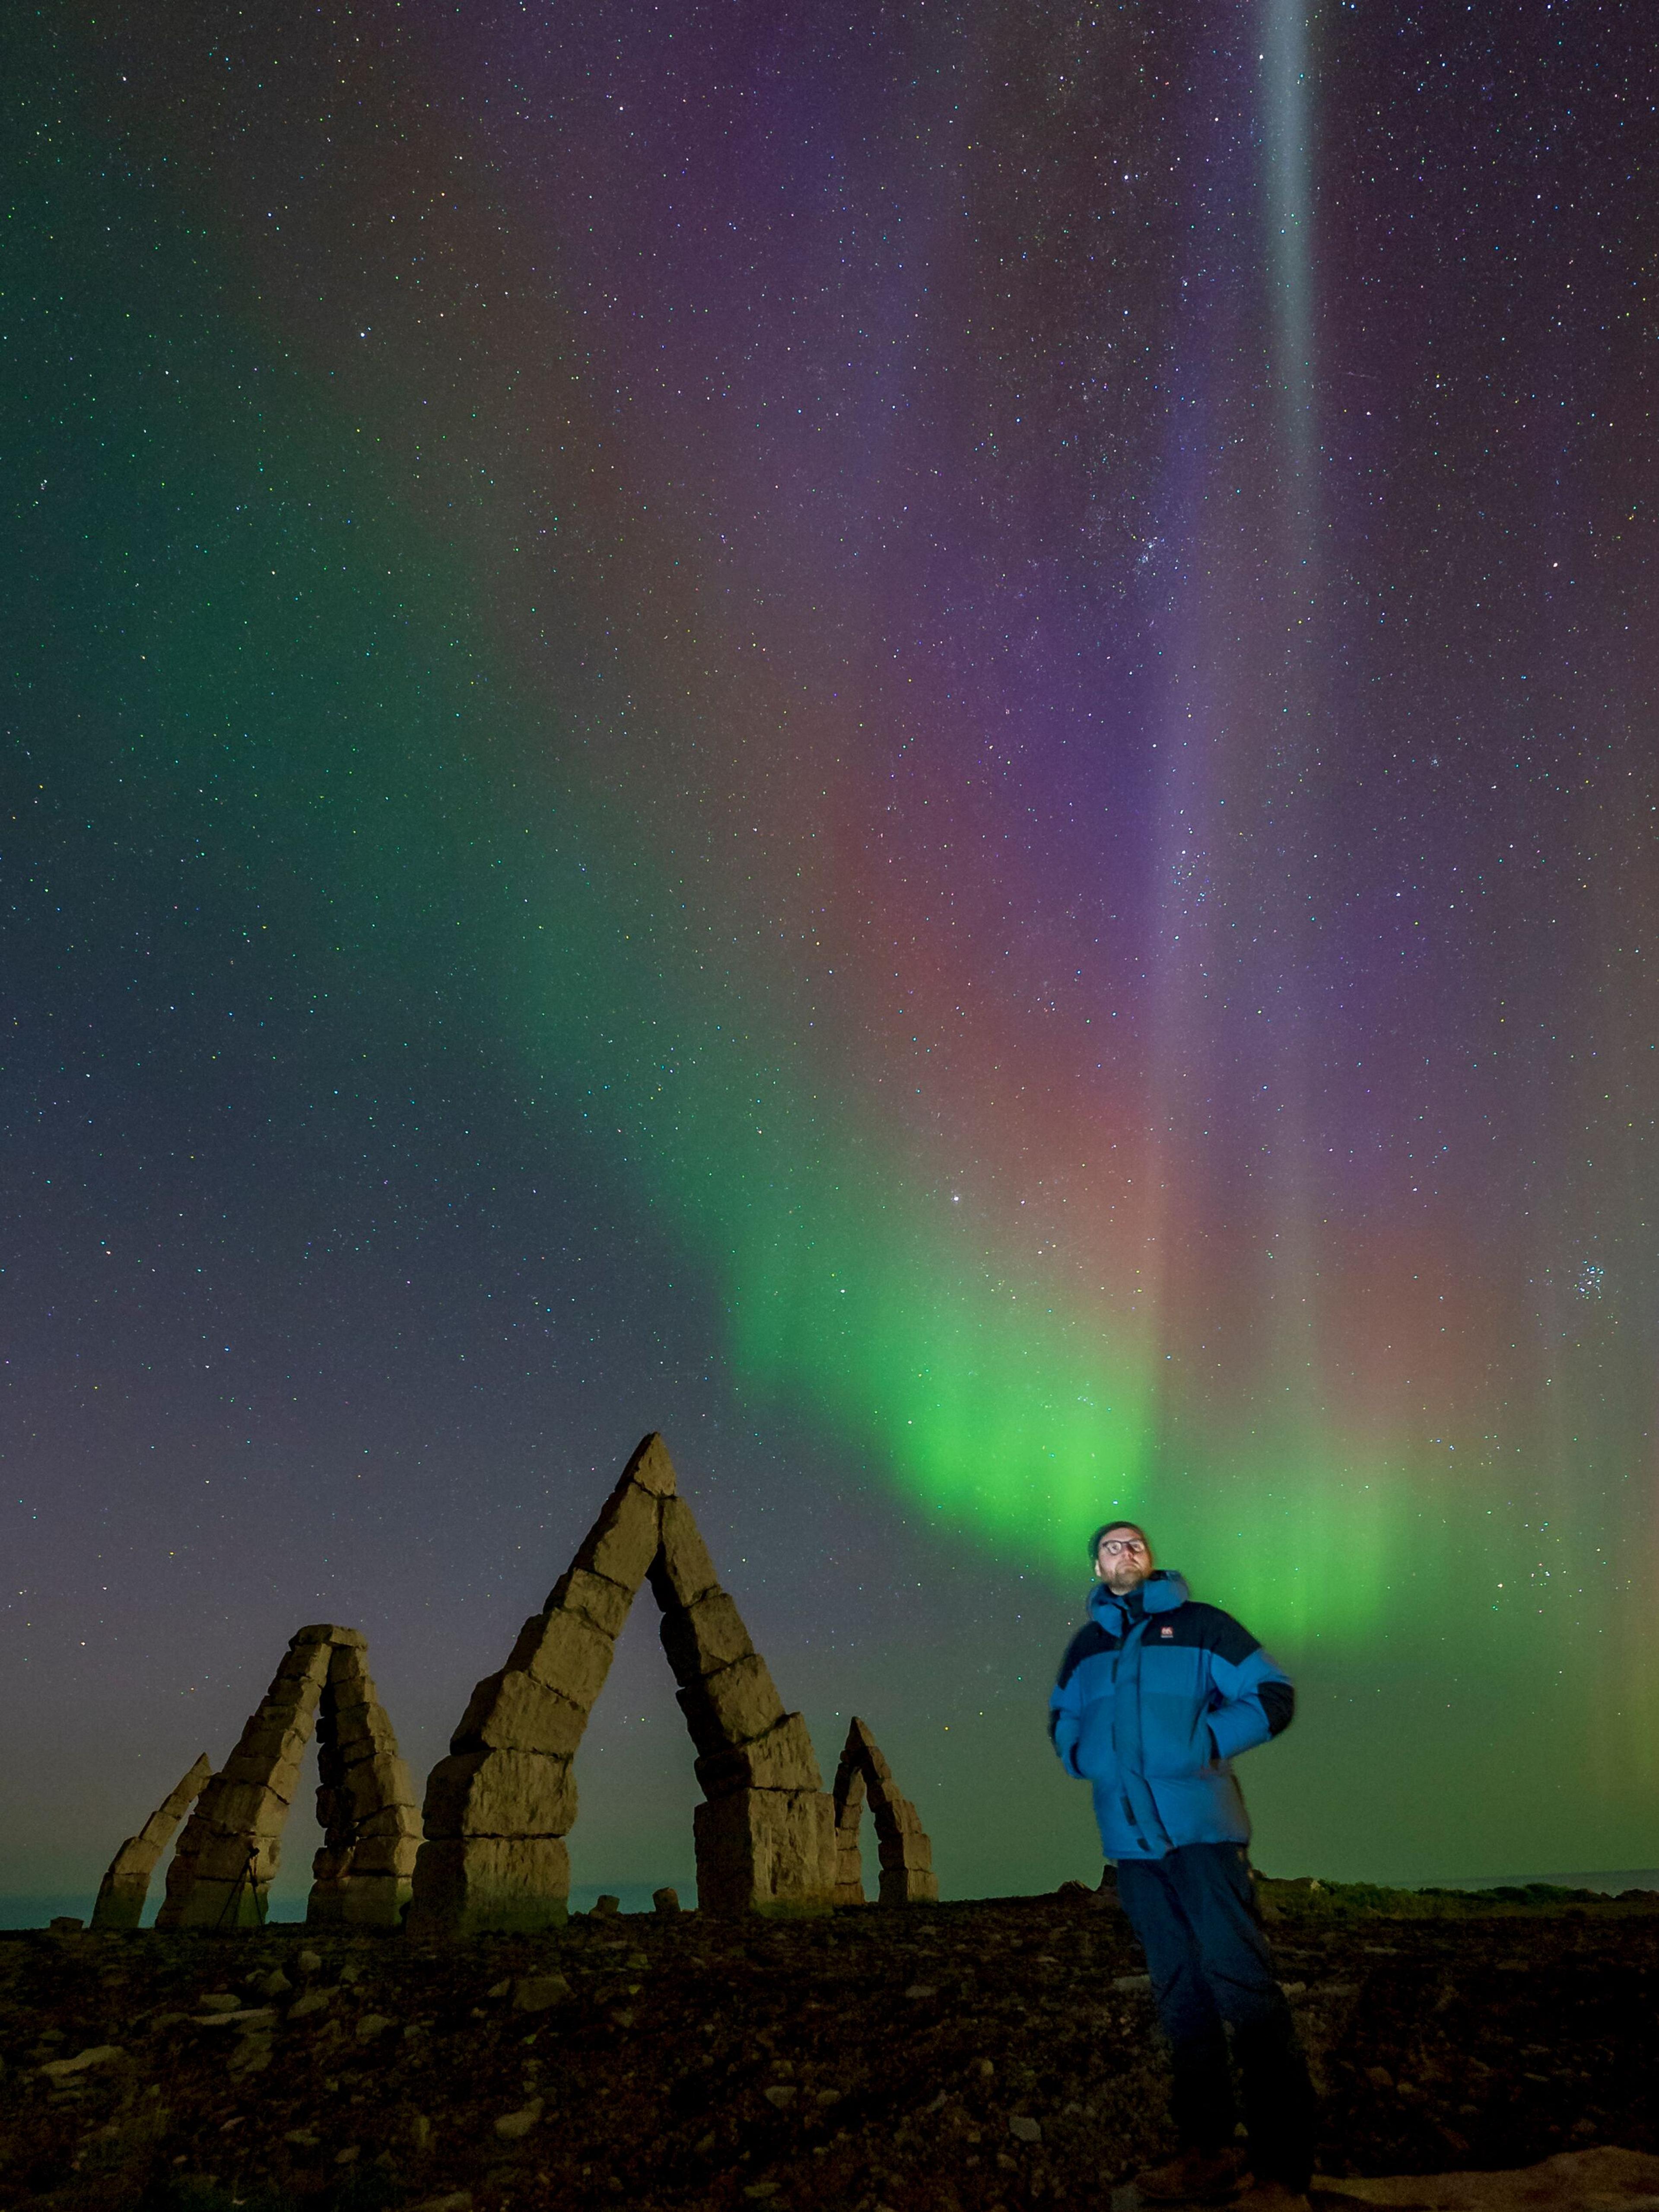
column 956, row 2057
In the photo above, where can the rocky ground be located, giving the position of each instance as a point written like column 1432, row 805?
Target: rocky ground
column 957, row 2058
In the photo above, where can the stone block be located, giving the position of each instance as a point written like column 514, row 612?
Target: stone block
column 121, row 1898
column 622, row 1542
column 896, row 1815
column 363, row 1732
column 217, row 1904
column 782, row 1759
column 884, row 1793
column 385, row 1854
column 303, row 1671
column 861, row 1749
column 500, row 1793
column 374, row 1900
column 849, row 1867
column 766, row 1851
column 512, row 1712
column 465, row 1886
column 733, row 1706
column 376, row 1782
column 913, row 1852
column 137, row 1856
column 181, row 1874
column 651, row 1467
column 236, row 1858
column 598, row 1599
column 165, row 1819
column 349, row 1675
column 272, row 1741
column 334, row 1812
column 392, row 1821
column 850, row 1791
column 566, row 1653
column 248, row 1808
column 913, row 1885
column 682, row 1572
column 700, row 1638
column 249, row 1769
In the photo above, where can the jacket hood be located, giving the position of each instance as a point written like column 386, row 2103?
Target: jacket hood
column 1162, row 1592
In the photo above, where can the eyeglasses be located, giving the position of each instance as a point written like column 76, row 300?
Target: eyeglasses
column 1111, row 1546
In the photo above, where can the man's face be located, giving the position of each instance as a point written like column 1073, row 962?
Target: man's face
column 1124, row 1560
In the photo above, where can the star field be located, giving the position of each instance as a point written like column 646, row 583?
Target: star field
column 919, row 742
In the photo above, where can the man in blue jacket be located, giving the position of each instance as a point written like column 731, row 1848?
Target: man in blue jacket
column 1156, row 1697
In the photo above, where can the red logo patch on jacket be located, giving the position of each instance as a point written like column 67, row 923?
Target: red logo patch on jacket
column 1166, row 1631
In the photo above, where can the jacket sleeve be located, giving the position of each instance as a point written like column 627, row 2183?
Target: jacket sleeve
column 1252, row 1697
column 1066, row 1718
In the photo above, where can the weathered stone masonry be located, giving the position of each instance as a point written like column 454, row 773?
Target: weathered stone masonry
column 499, row 1808
column 125, row 1885
column 907, row 1856
column 489, row 1852
column 232, row 1845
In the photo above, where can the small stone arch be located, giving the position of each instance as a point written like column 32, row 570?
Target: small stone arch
column 499, row 1808
column 125, row 1885
column 221, row 1872
column 907, row 1856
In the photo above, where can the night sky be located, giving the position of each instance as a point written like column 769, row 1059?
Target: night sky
column 918, row 739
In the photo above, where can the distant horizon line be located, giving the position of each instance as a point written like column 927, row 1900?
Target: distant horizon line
column 289, row 1911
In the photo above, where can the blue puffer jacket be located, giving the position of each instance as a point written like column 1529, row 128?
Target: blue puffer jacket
column 1155, row 1697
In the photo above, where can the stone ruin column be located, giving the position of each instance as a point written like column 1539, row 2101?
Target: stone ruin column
column 365, row 1803
column 850, row 1811
column 765, row 1833
column 907, row 1856
column 125, row 1885
column 222, row 1871
column 499, row 1808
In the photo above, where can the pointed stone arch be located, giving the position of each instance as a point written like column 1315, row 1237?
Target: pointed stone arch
column 125, row 1885
column 221, row 1872
column 499, row 1808
column 907, row 1856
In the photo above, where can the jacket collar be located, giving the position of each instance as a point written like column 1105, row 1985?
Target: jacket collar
column 1162, row 1592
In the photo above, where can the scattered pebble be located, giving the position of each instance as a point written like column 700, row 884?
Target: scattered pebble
column 513, row 2125
column 536, row 1992
column 98, row 2054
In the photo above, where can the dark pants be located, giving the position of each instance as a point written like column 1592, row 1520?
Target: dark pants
column 1195, row 1916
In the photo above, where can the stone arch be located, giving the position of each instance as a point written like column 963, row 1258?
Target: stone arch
column 125, row 1885
column 221, row 1872
column 907, row 1856
column 499, row 1808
